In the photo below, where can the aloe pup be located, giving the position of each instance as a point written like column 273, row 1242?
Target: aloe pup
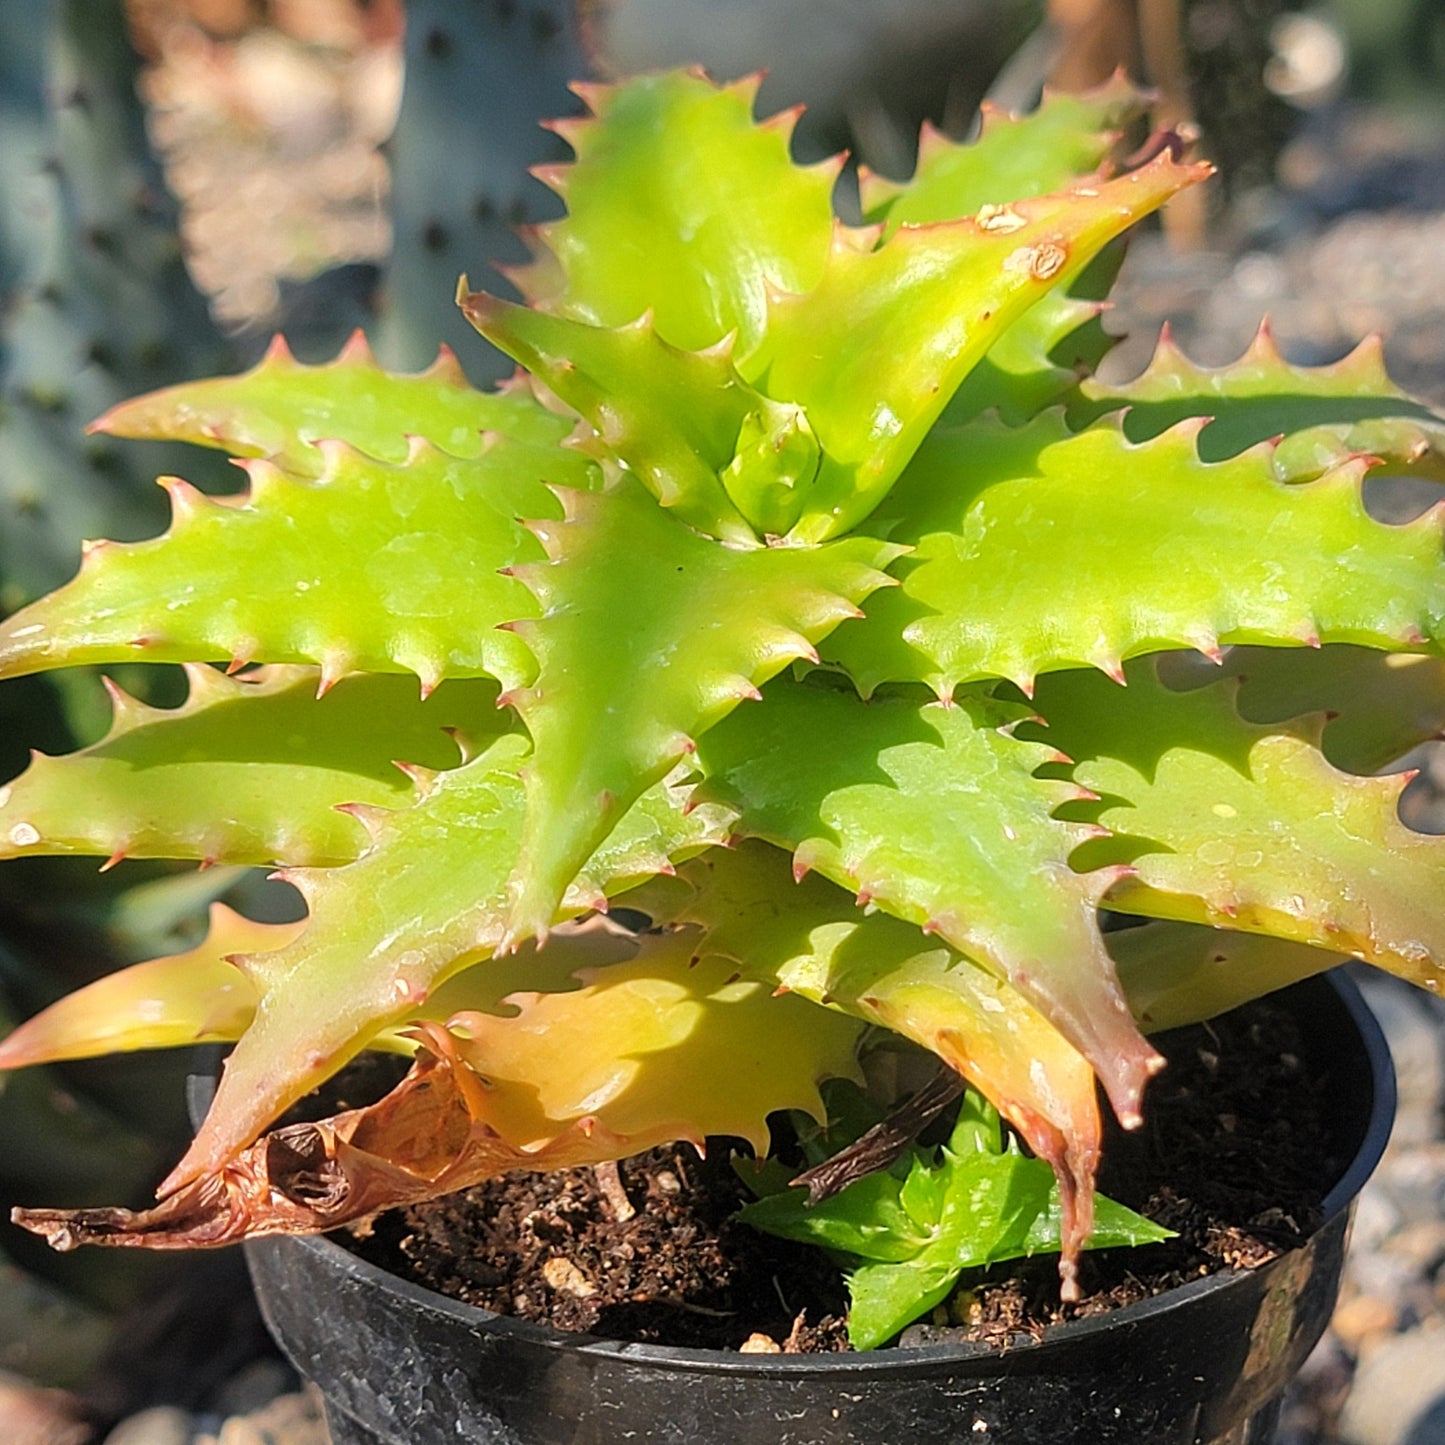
column 798, row 593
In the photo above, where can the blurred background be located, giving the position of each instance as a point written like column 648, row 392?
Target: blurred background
column 179, row 179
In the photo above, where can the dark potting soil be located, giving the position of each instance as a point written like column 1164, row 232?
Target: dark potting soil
column 1234, row 1156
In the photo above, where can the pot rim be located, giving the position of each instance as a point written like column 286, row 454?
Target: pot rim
column 1337, row 1201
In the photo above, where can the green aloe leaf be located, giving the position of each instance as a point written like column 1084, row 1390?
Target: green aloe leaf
column 1033, row 363
column 1325, row 413
column 281, row 409
column 424, row 902
column 679, row 204
column 615, row 707
column 200, row 996
column 1247, row 827
column 249, row 770
column 622, row 1060
column 672, row 416
column 809, row 938
column 874, row 351
column 934, row 814
column 1379, row 705
column 869, row 344
column 1067, row 136
column 638, row 1045
column 178, row 1001
column 373, row 565
column 1183, row 973
column 1180, row 553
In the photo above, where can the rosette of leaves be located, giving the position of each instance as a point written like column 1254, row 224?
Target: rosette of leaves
column 796, row 536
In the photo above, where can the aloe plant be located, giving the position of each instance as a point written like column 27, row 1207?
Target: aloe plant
column 797, row 593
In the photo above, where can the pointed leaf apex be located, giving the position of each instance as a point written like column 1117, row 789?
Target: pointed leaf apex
column 424, row 779
column 594, row 94
column 553, row 175
column 372, row 818
column 465, row 748
column 278, row 353
column 1365, row 365
column 127, row 712
column 186, row 500
column 1207, row 645
column 335, row 454
column 747, row 86
column 446, row 368
column 418, row 447
column 932, row 141
column 829, row 168
column 1187, row 430
column 335, row 664
column 429, row 675
column 1263, row 349
column 569, row 128
column 203, row 682
column 520, row 698
column 991, row 115
column 1169, row 159
column 523, row 627
column 875, row 191
column 356, row 352
column 782, row 121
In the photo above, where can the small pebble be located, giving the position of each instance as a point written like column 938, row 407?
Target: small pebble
column 294, row 1419
column 564, row 1277
column 1414, row 1180
column 254, row 1386
column 1422, row 1244
column 1360, row 1320
column 160, row 1425
column 32, row 1415
column 1399, row 1386
column 758, row 1343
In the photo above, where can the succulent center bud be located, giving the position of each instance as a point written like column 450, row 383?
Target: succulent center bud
column 775, row 462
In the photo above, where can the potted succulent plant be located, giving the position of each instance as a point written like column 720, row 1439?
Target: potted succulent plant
column 802, row 594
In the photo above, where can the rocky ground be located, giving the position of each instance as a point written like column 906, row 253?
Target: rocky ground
column 285, row 130
column 1378, row 1376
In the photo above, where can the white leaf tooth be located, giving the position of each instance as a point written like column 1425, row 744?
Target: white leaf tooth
column 127, row 712
column 336, row 662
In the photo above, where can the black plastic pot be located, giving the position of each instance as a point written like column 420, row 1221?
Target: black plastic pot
column 1204, row 1363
